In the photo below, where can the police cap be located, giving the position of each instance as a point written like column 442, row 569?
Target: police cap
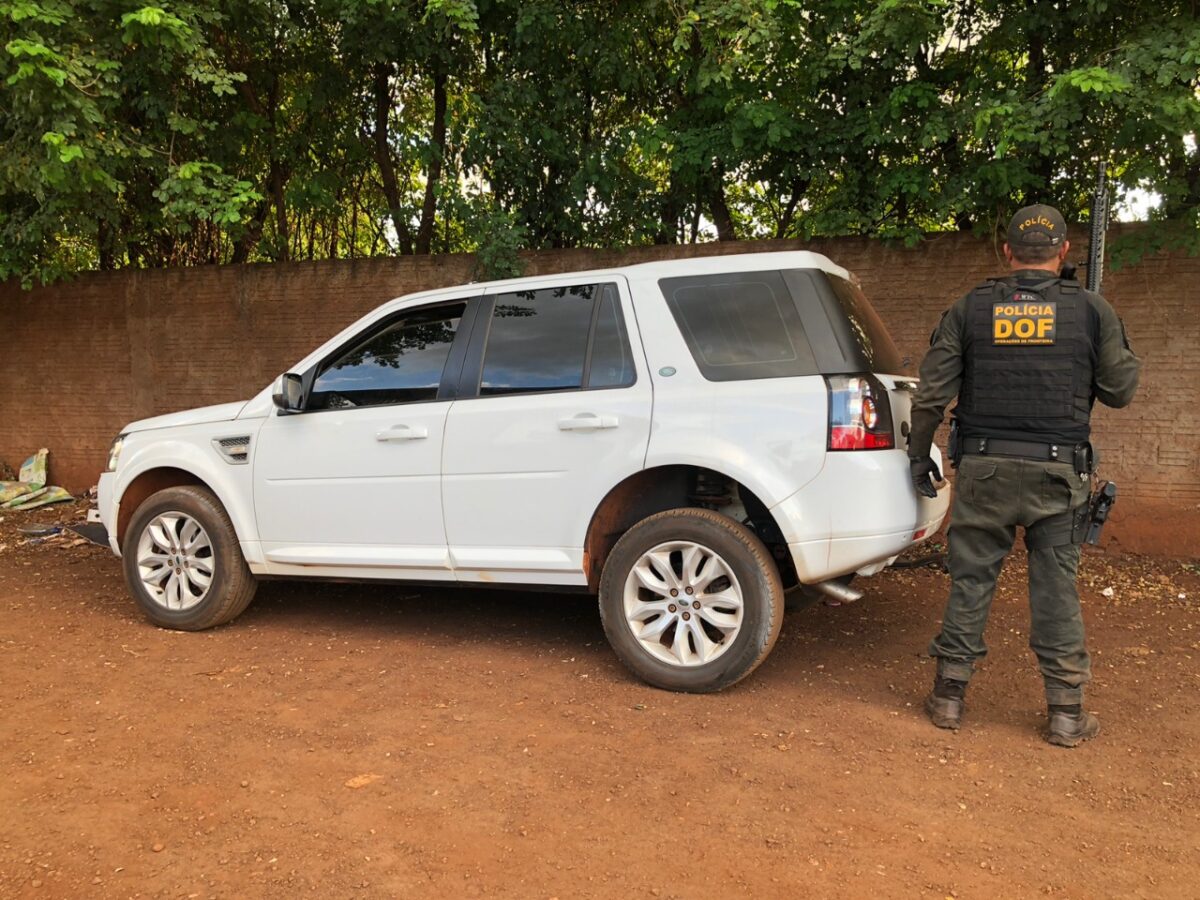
column 1037, row 226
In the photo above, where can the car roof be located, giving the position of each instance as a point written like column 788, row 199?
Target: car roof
column 650, row 271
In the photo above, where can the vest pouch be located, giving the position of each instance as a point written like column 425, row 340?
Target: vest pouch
column 1038, row 386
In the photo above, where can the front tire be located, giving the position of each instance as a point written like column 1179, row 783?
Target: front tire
column 182, row 561
column 691, row 600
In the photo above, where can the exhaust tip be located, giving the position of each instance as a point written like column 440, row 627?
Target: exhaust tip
column 837, row 591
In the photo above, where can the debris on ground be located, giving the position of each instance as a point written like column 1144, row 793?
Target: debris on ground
column 30, row 490
column 93, row 532
column 39, row 530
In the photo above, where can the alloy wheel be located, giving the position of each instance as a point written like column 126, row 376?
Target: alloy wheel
column 683, row 603
column 175, row 560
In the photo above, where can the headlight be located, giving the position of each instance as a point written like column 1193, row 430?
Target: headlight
column 114, row 452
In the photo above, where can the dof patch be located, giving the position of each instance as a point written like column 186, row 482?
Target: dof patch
column 1024, row 319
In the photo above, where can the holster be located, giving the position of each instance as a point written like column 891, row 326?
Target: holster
column 1099, row 505
column 1085, row 458
column 954, row 444
column 1081, row 522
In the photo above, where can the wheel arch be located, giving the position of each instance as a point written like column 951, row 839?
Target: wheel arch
column 675, row 486
column 145, row 485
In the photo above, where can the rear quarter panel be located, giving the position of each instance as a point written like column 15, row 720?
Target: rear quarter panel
column 768, row 433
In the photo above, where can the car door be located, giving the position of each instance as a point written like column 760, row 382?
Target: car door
column 351, row 485
column 553, row 411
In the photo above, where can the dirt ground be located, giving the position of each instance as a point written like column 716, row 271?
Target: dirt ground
column 373, row 741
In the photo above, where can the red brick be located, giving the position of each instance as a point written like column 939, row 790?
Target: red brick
column 83, row 358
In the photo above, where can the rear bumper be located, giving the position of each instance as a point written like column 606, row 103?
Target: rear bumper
column 860, row 511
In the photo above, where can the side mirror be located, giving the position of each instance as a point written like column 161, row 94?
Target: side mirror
column 289, row 393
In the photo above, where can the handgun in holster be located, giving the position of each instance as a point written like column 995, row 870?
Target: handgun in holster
column 1099, row 506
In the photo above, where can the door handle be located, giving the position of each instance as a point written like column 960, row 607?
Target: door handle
column 587, row 422
column 403, row 433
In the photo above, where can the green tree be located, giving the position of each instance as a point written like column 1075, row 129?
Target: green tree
column 241, row 130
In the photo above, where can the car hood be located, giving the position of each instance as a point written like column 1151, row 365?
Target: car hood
column 222, row 412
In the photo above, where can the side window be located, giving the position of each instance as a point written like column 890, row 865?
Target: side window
column 611, row 362
column 740, row 326
column 866, row 328
column 401, row 362
column 556, row 339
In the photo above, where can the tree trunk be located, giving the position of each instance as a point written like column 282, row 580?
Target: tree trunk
column 245, row 244
column 433, row 177
column 278, row 180
column 1045, row 165
column 383, row 158
column 717, row 206
column 104, row 246
column 799, row 186
column 668, row 217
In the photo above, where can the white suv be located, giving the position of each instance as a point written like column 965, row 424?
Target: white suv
column 688, row 439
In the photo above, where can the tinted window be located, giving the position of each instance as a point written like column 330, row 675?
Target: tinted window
column 538, row 340
column 740, row 326
column 401, row 363
column 866, row 328
column 611, row 364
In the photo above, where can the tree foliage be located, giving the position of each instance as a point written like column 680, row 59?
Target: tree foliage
column 239, row 130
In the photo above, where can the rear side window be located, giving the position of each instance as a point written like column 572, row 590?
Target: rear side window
column 740, row 326
column 866, row 328
column 610, row 363
column 556, row 339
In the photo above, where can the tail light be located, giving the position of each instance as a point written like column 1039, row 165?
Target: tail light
column 860, row 414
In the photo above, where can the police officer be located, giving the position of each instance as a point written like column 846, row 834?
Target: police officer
column 1026, row 355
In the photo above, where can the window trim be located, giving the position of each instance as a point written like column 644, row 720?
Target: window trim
column 469, row 383
column 448, row 382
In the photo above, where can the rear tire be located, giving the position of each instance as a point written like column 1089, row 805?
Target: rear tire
column 724, row 616
column 183, row 563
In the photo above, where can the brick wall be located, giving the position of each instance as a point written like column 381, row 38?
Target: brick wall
column 81, row 359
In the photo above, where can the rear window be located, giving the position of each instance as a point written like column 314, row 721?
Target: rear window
column 740, row 326
column 866, row 328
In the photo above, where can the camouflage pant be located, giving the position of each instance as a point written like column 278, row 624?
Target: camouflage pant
column 993, row 495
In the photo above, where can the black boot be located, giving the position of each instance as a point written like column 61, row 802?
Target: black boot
column 1070, row 726
column 945, row 704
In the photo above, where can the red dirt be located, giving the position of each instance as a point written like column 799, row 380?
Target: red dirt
column 380, row 742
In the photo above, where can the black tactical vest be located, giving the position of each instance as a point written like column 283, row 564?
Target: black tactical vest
column 1029, row 350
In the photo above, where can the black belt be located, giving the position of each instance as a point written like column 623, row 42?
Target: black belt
column 1080, row 456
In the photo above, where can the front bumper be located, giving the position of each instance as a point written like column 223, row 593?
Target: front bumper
column 106, row 501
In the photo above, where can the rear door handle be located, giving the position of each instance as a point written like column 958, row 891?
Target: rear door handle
column 403, row 433
column 587, row 422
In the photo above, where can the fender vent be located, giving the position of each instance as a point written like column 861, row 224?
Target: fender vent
column 235, row 450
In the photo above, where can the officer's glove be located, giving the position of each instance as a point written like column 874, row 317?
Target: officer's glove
column 921, row 469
